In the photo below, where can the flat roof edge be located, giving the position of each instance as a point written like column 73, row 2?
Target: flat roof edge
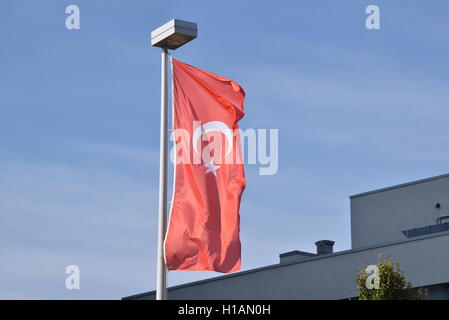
column 357, row 195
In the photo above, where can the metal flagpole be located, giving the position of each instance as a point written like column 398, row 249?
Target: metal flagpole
column 171, row 35
column 161, row 291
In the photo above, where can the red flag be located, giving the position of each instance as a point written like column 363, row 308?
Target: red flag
column 203, row 230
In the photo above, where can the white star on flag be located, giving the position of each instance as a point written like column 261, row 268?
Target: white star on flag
column 211, row 167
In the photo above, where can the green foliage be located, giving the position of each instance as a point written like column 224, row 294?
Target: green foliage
column 392, row 284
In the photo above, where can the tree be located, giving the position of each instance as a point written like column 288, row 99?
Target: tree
column 385, row 281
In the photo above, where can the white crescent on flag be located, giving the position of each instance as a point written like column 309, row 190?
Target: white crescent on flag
column 210, row 127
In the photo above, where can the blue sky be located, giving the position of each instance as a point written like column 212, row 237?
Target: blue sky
column 356, row 110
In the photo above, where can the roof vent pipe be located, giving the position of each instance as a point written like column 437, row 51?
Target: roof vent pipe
column 324, row 247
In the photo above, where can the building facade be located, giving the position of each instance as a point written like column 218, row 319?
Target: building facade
column 410, row 222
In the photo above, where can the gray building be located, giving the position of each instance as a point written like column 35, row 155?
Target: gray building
column 410, row 222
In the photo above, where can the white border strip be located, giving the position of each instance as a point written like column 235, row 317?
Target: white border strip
column 174, row 158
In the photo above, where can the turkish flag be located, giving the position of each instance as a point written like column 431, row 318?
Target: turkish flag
column 203, row 228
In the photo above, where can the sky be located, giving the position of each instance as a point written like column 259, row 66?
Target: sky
column 356, row 110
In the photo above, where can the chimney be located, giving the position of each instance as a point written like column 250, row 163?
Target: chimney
column 324, row 247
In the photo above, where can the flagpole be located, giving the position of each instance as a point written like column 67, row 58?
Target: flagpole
column 161, row 285
column 171, row 35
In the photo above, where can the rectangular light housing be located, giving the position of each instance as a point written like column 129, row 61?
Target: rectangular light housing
column 173, row 34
